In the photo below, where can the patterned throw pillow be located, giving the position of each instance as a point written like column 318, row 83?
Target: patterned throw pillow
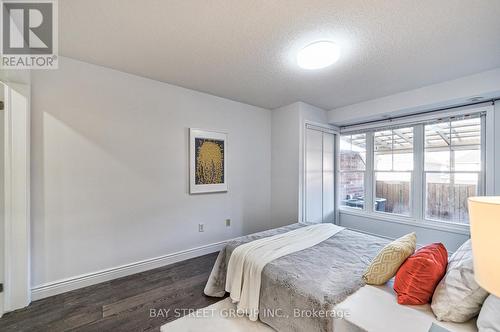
column 458, row 297
column 385, row 265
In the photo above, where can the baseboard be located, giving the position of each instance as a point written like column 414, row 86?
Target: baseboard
column 84, row 280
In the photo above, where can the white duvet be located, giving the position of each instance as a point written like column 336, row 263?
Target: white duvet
column 248, row 260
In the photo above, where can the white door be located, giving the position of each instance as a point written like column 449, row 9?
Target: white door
column 16, row 209
column 319, row 191
column 314, row 176
column 328, row 177
column 2, row 194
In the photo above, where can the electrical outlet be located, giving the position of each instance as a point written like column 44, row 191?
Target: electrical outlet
column 201, row 227
column 228, row 222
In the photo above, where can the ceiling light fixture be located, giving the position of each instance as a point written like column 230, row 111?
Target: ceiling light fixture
column 318, row 55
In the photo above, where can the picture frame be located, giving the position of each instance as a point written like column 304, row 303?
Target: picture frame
column 208, row 161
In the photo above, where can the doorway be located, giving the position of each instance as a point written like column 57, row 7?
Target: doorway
column 14, row 197
column 2, row 192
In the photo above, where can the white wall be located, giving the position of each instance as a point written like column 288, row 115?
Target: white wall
column 285, row 165
column 451, row 239
column 287, row 159
column 497, row 147
column 15, row 76
column 110, row 170
column 445, row 94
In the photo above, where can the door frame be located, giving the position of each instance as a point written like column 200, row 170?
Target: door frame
column 17, row 284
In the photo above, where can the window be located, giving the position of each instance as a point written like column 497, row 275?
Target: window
column 393, row 166
column 452, row 168
column 422, row 169
column 352, row 170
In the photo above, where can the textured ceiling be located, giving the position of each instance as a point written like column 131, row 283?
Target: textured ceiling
column 245, row 50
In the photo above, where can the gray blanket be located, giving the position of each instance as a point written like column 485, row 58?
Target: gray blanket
column 299, row 288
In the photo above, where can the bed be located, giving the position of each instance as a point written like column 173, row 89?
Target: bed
column 299, row 291
column 375, row 309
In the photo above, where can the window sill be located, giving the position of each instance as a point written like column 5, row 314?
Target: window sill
column 384, row 217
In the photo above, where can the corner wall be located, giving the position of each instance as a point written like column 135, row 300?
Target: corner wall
column 110, row 171
column 285, row 140
column 287, row 159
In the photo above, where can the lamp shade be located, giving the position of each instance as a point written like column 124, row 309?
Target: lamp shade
column 484, row 213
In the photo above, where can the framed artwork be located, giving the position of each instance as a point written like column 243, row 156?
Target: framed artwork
column 207, row 162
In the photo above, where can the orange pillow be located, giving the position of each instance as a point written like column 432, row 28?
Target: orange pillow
column 419, row 275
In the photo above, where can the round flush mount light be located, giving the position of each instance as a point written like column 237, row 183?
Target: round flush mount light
column 318, row 55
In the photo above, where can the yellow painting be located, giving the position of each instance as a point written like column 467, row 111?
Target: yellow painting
column 209, row 161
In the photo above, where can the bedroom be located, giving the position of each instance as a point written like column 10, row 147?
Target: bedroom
column 148, row 137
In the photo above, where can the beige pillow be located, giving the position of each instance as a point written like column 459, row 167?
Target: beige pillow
column 385, row 265
column 458, row 297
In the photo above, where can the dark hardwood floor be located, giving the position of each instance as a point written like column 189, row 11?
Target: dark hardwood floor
column 122, row 304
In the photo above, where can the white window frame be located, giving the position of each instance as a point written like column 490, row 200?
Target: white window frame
column 369, row 165
column 412, row 178
column 481, row 173
column 417, row 217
